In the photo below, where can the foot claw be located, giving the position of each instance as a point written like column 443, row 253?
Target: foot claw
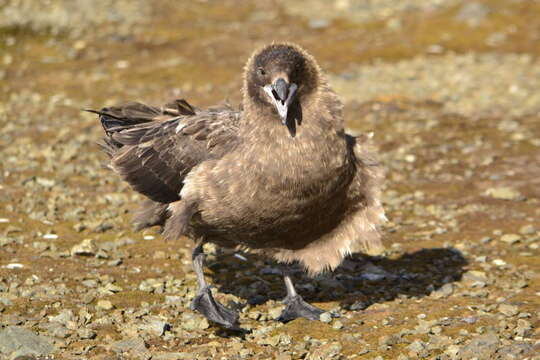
column 297, row 307
column 205, row 303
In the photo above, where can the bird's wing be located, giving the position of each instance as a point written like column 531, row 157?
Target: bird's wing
column 153, row 149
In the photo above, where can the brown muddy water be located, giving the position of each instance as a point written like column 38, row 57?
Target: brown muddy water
column 451, row 91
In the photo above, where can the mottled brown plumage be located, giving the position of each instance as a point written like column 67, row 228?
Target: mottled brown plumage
column 280, row 177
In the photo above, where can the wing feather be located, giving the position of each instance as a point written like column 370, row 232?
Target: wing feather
column 153, row 149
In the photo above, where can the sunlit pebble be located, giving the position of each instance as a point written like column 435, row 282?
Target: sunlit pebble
column 243, row 258
column 499, row 262
column 148, row 237
column 3, row 220
column 50, row 236
column 14, row 266
column 122, row 64
column 410, row 158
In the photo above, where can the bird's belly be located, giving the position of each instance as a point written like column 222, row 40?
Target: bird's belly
column 273, row 211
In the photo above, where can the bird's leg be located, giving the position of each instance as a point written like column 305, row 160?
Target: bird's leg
column 204, row 302
column 296, row 306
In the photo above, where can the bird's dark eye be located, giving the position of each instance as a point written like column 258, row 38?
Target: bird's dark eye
column 261, row 71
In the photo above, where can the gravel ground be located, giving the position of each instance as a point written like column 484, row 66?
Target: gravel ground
column 360, row 11
column 470, row 85
column 459, row 135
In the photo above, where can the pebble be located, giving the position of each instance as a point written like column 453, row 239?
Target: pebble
column 499, row 262
column 325, row 317
column 528, row 229
column 508, row 310
column 86, row 248
column 510, row 238
column 104, row 305
column 480, row 347
column 275, row 312
column 504, row 193
column 13, row 266
column 337, row 325
column 135, row 345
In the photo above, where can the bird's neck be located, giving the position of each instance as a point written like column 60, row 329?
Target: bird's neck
column 311, row 115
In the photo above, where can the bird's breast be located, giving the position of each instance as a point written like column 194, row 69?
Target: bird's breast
column 269, row 186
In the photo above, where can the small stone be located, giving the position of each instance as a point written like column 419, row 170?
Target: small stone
column 191, row 321
column 318, row 23
column 389, row 340
column 104, row 305
column 85, row 333
column 472, row 13
column 469, row 319
column 527, row 229
column 135, row 345
column 337, row 325
column 504, row 193
column 445, row 291
column 510, row 238
column 160, row 255
column 523, row 328
column 499, row 262
column 325, row 317
column 23, row 342
column 508, row 310
column 275, row 313
column 481, row 347
column 155, row 326
column 416, row 346
column 410, row 158
column 86, row 248
column 473, row 278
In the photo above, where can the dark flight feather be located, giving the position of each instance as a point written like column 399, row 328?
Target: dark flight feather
column 153, row 148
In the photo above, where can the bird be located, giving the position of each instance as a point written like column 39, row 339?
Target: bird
column 278, row 177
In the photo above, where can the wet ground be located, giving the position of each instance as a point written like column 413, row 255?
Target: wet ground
column 451, row 91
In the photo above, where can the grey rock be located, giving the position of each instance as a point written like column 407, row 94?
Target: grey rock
column 57, row 330
column 337, row 325
column 417, row 346
column 64, row 317
column 472, row 13
column 510, row 238
column 523, row 328
column 325, row 317
column 508, row 310
column 191, row 321
column 481, row 347
column 155, row 326
column 318, row 23
column 23, row 342
column 86, row 333
column 527, row 229
column 86, row 248
column 172, row 356
column 135, row 345
column 444, row 291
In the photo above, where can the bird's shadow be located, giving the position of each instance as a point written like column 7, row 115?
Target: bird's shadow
column 360, row 282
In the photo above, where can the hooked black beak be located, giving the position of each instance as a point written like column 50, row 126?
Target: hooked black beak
column 282, row 95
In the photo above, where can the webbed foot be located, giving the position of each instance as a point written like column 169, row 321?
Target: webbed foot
column 296, row 308
column 205, row 303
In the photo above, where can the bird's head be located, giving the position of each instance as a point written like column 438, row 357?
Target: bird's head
column 278, row 76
